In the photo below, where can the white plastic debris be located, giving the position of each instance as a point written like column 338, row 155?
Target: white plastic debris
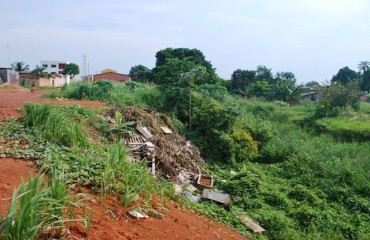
column 138, row 214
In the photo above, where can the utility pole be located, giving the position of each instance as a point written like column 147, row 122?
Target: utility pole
column 7, row 46
column 84, row 62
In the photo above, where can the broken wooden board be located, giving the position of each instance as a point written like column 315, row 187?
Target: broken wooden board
column 216, row 196
column 252, row 224
column 205, row 181
column 144, row 131
column 166, row 130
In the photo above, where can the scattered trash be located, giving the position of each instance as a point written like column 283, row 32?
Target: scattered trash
column 172, row 152
column 144, row 131
column 178, row 188
column 137, row 214
column 232, row 173
column 216, row 196
column 166, row 130
column 205, row 181
column 191, row 188
column 192, row 197
column 252, row 224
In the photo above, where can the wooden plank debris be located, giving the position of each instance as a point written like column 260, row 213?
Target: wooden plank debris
column 166, row 130
column 144, row 131
column 216, row 196
column 252, row 224
column 135, row 141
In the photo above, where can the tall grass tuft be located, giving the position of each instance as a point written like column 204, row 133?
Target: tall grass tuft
column 128, row 180
column 55, row 124
column 37, row 208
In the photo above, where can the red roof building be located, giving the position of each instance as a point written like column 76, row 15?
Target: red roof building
column 116, row 77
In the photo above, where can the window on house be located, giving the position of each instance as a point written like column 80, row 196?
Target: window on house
column 44, row 65
column 53, row 65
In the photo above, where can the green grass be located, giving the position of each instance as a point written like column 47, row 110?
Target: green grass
column 346, row 129
column 57, row 124
column 39, row 209
column 303, row 184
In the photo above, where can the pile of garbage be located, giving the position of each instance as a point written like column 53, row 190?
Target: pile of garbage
column 168, row 154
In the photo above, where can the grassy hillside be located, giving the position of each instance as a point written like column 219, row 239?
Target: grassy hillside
column 299, row 177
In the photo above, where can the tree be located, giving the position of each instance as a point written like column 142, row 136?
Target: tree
column 39, row 72
column 260, row 89
column 20, row 66
column 193, row 56
column 171, row 71
column 141, row 73
column 364, row 69
column 363, row 66
column 264, row 74
column 312, row 84
column 241, row 79
column 344, row 76
column 336, row 97
column 285, row 88
column 71, row 69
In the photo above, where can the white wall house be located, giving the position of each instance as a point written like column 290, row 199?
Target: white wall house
column 53, row 67
column 56, row 67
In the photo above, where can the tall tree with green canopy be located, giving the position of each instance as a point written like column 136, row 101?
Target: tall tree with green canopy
column 20, row 66
column 192, row 57
column 141, row 73
column 264, row 74
column 285, row 88
column 71, row 69
column 241, row 79
column 344, row 76
column 172, row 71
column 364, row 69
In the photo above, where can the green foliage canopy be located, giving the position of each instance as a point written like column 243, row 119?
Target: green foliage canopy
column 140, row 73
column 20, row 66
column 71, row 69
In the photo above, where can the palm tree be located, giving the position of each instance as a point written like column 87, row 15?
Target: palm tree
column 20, row 67
column 39, row 71
column 363, row 66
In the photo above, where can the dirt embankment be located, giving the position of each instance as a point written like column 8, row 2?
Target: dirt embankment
column 109, row 220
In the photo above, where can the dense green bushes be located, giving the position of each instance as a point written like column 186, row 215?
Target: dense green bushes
column 297, row 182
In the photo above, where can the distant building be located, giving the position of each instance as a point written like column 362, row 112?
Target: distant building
column 8, row 76
column 52, row 80
column 112, row 76
column 53, row 67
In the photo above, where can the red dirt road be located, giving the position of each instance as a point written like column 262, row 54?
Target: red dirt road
column 109, row 220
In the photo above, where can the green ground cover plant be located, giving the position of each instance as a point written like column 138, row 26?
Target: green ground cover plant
column 298, row 183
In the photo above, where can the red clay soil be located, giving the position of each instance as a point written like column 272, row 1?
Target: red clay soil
column 177, row 224
column 11, row 173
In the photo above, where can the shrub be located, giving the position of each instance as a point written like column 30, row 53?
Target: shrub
column 244, row 147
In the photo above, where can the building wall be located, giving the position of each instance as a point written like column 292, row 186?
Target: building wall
column 117, row 77
column 9, row 76
column 53, row 67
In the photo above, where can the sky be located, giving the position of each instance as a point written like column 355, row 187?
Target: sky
column 311, row 38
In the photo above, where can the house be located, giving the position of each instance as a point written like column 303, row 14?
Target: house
column 311, row 96
column 53, row 80
column 53, row 67
column 112, row 76
column 8, row 76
